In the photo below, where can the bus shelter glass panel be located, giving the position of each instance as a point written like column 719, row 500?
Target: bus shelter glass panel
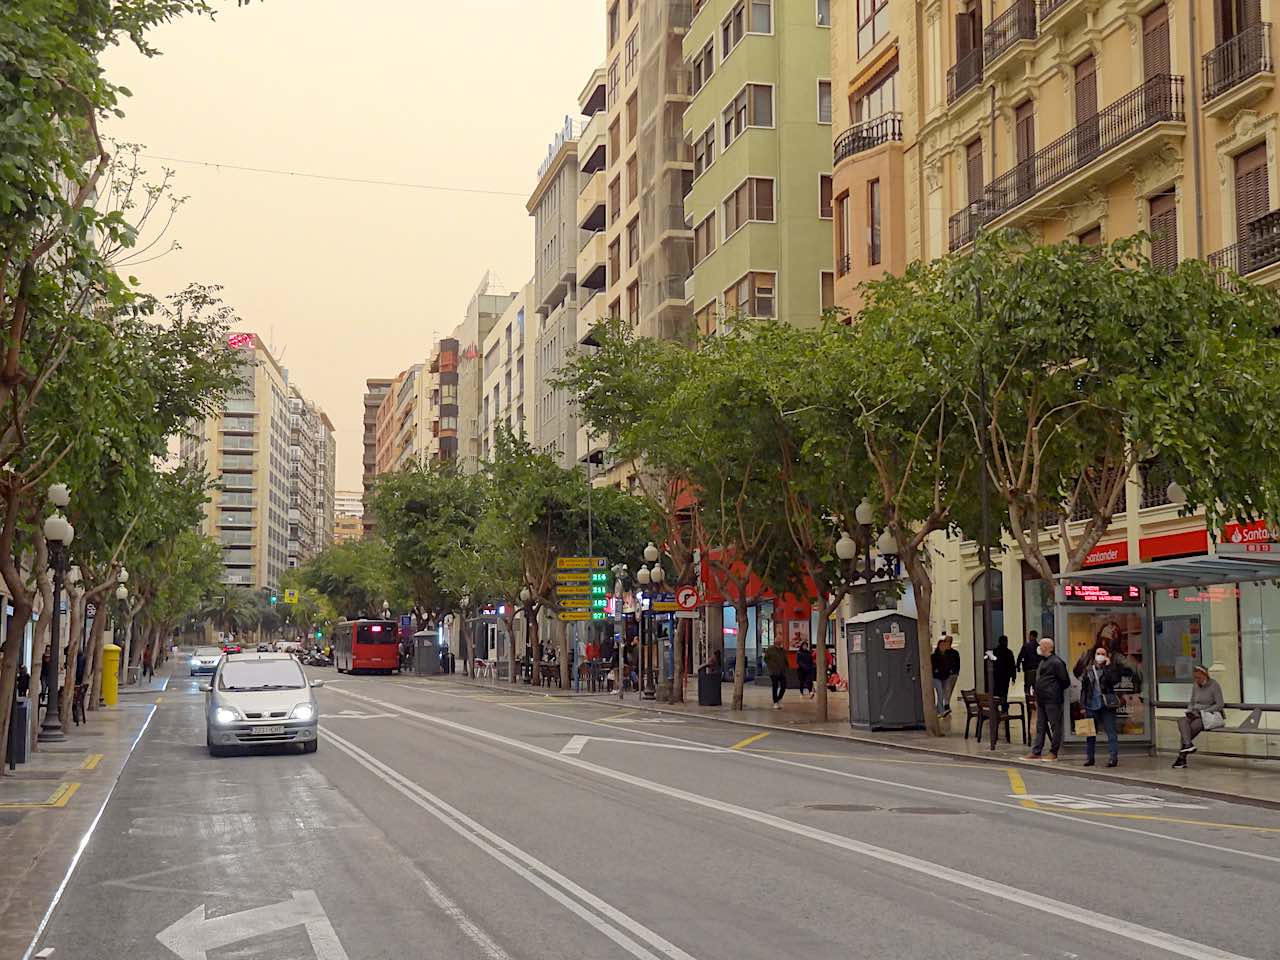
column 1260, row 643
column 1109, row 617
column 1196, row 626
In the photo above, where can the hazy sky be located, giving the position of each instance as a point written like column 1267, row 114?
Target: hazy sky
column 352, row 281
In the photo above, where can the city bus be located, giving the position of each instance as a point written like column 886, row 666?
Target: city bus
column 362, row 645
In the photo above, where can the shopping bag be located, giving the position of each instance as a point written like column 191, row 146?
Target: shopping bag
column 1086, row 728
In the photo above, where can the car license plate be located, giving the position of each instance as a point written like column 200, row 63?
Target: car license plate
column 269, row 731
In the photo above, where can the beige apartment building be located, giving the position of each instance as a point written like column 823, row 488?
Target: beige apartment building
column 375, row 390
column 312, row 468
column 245, row 448
column 1072, row 119
column 502, row 399
column 348, row 511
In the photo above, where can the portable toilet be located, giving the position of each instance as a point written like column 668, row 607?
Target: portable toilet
column 884, row 671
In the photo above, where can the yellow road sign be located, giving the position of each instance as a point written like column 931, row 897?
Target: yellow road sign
column 576, row 615
column 574, row 590
column 574, row 603
column 291, row 596
column 581, row 563
column 574, row 577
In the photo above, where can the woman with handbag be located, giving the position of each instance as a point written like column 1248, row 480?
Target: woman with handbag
column 1204, row 712
column 1098, row 697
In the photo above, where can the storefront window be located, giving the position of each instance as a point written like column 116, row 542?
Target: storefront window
column 1121, row 632
column 997, row 610
column 1037, row 602
column 1260, row 642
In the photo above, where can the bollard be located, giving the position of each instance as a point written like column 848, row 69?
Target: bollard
column 110, row 674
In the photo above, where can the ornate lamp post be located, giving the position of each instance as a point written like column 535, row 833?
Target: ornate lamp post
column 59, row 533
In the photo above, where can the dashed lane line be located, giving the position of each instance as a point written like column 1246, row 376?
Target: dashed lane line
column 91, row 762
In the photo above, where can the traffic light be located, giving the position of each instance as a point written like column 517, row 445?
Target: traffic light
column 319, row 634
column 274, row 598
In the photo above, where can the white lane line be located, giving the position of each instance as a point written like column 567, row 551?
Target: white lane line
column 574, row 746
column 545, row 878
column 1058, row 908
column 468, row 926
column 754, row 757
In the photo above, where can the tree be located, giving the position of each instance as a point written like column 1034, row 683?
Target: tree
column 354, row 577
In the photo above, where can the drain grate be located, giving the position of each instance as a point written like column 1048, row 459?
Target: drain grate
column 929, row 811
column 841, row 807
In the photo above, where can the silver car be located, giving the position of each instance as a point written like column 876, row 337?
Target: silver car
column 260, row 698
column 205, row 660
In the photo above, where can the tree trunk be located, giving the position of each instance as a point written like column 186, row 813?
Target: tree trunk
column 536, row 656
column 9, row 670
column 562, row 649
column 76, row 625
column 819, row 648
column 97, row 642
column 740, row 654
column 922, row 584
column 43, row 642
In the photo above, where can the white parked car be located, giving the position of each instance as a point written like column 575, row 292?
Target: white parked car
column 205, row 660
column 260, row 698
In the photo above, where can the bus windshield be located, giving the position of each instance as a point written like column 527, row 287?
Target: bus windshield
column 375, row 633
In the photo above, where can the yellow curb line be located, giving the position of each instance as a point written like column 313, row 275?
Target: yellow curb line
column 617, row 716
column 59, row 799
column 91, row 762
column 748, row 741
column 1019, row 787
column 159, row 699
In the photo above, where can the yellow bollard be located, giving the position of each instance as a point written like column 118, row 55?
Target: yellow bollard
column 110, row 674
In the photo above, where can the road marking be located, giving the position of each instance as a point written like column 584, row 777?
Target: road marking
column 606, row 918
column 159, row 699
column 848, row 756
column 1019, row 788
column 748, row 741
column 1106, row 801
column 1058, row 908
column 574, row 746
column 192, row 936
column 647, row 720
column 58, row 798
column 357, row 715
column 91, row 762
column 617, row 716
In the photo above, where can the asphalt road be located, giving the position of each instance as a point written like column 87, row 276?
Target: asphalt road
column 438, row 820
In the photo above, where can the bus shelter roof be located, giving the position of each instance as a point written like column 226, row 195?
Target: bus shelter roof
column 1184, row 572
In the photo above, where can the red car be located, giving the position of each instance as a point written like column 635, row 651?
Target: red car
column 231, row 648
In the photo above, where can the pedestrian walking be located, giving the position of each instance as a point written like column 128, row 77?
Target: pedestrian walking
column 1004, row 670
column 1028, row 662
column 775, row 661
column 1100, row 675
column 1204, row 712
column 147, row 670
column 1052, row 684
column 946, row 670
column 806, row 669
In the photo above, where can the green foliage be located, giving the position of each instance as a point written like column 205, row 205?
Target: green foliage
column 355, row 578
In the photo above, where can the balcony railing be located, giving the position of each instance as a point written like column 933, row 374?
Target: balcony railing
column 1260, row 247
column 965, row 75
column 868, row 134
column 1016, row 23
column 1246, row 54
column 844, row 264
column 1158, row 100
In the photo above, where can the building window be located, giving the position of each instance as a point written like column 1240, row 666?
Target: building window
column 844, row 235
column 704, row 65
column 873, row 222
column 613, row 83
column 633, row 241
column 824, row 196
column 613, row 25
column 615, row 309
column 633, row 304
column 752, row 107
column 1164, row 232
column 761, row 16
column 706, row 319
column 615, row 261
column 632, row 54
column 633, row 179
column 615, row 142
column 973, row 169
column 753, row 200
column 824, row 13
column 1253, row 193
column 1091, row 238
column 731, row 29
column 704, row 238
column 827, row 292
column 873, row 23
column 704, row 151
column 880, row 96
column 752, row 296
column 615, row 199
column 633, row 118
column 824, row 101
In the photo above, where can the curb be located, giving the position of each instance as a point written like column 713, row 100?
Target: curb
column 1048, row 767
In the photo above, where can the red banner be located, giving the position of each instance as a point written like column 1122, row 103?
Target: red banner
column 1108, row 554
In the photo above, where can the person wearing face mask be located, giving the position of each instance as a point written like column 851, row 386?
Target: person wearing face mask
column 1099, row 678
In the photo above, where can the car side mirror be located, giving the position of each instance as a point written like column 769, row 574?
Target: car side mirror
column 317, row 683
column 205, row 688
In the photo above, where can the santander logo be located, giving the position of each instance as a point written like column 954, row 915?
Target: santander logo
column 1252, row 533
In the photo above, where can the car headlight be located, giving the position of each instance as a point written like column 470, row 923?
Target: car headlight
column 195, row 661
column 225, row 715
column 303, row 711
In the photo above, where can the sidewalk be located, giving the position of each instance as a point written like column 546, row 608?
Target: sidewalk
column 50, row 804
column 1222, row 778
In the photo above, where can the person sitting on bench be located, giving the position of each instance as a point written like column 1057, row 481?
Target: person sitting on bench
column 1204, row 712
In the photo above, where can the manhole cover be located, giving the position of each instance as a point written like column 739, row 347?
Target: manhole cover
column 929, row 811
column 841, row 807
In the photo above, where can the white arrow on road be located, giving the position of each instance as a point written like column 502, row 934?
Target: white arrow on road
column 655, row 720
column 192, row 937
column 574, row 747
column 357, row 715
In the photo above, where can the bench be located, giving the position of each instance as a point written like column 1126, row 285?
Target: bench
column 1249, row 726
column 978, row 707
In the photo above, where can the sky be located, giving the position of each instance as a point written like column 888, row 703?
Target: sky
column 349, row 281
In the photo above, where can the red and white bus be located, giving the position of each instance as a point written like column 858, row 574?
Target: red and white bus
column 361, row 645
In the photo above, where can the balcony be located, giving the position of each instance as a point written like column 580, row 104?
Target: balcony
column 965, row 75
column 1238, row 72
column 1259, row 249
column 868, row 134
column 591, row 203
column 1015, row 26
column 590, row 312
column 592, row 274
column 1102, row 143
column 1062, row 13
column 672, row 218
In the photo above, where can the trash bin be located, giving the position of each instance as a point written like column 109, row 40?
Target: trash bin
column 708, row 688
column 110, row 674
column 19, row 731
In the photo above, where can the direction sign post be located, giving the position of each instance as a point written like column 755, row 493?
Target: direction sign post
column 582, row 587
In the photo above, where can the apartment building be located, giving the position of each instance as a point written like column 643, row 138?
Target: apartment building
column 245, row 447
column 442, row 444
column 375, row 390
column 1072, row 119
column 311, row 478
column 348, row 509
column 395, row 425
column 486, row 307
column 760, row 123
column 554, row 305
column 502, row 393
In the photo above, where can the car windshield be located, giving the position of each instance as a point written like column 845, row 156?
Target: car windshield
column 208, row 652
column 261, row 675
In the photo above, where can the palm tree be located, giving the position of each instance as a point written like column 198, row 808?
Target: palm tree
column 233, row 612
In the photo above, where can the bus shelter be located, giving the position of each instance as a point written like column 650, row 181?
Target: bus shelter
column 1165, row 618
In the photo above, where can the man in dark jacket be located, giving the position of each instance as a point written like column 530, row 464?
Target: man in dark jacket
column 1052, row 683
column 775, row 659
column 1028, row 662
column 1004, row 670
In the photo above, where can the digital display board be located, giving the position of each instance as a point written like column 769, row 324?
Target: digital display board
column 1101, row 593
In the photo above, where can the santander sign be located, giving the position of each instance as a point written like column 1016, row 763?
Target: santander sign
column 1256, row 532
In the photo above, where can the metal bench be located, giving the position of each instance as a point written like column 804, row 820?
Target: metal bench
column 1249, row 726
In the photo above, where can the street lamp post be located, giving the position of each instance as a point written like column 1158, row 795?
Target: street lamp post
column 865, row 514
column 643, row 578
column 59, row 534
column 464, row 641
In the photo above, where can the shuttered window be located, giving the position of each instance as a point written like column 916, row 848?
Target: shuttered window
column 1091, row 238
column 973, row 169
column 1156, row 59
column 1164, row 232
column 1086, row 100
column 1230, row 17
column 1253, row 197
